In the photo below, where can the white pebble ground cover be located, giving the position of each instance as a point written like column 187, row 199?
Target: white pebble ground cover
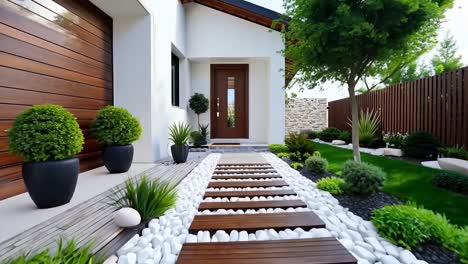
column 162, row 241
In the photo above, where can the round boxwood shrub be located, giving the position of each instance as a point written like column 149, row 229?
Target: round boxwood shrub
column 316, row 164
column 420, row 144
column 329, row 134
column 332, row 185
column 115, row 126
column 452, row 181
column 45, row 132
column 362, row 178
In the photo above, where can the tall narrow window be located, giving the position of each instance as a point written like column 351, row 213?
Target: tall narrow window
column 175, row 80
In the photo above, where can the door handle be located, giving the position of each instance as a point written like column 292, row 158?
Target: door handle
column 217, row 107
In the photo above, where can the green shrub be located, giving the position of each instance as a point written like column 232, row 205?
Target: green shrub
column 332, row 185
column 316, row 164
column 115, row 126
column 345, row 136
column 455, row 152
column 452, row 181
column 197, row 137
column 69, row 253
column 329, row 134
column 277, row 148
column 410, row 226
column 368, row 126
column 204, row 130
column 420, row 145
column 313, row 134
column 297, row 165
column 199, row 104
column 149, row 197
column 299, row 144
column 283, row 155
column 45, row 132
column 179, row 133
column 362, row 178
column 394, row 140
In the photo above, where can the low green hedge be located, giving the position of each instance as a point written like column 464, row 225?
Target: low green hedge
column 278, row 148
column 332, row 185
column 297, row 165
column 452, row 181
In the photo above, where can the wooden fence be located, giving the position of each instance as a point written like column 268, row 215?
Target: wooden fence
column 437, row 104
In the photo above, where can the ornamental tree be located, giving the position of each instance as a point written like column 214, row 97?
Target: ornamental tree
column 199, row 104
column 345, row 40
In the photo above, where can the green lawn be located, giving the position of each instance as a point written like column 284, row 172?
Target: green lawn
column 406, row 180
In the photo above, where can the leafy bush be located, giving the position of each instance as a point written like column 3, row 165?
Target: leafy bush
column 329, row 134
column 69, row 253
column 362, row 178
column 455, row 152
column 297, row 165
column 115, row 126
column 204, row 130
column 368, row 126
column 300, row 145
column 149, row 197
column 420, row 144
column 332, row 185
column 283, row 155
column 45, row 132
column 196, row 137
column 345, row 136
column 452, row 181
column 313, row 134
column 199, row 104
column 316, row 164
column 394, row 140
column 179, row 133
column 410, row 226
column 277, row 148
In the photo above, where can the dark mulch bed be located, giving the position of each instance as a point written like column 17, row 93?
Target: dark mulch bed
column 364, row 205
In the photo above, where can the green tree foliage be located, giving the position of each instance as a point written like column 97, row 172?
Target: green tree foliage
column 349, row 39
column 446, row 58
column 411, row 72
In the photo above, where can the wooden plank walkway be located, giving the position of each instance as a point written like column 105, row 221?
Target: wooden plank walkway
column 294, row 251
column 91, row 220
column 298, row 251
column 252, row 176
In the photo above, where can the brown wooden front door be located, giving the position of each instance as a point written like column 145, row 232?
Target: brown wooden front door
column 229, row 100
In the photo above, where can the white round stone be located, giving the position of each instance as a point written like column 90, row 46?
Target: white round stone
column 127, row 217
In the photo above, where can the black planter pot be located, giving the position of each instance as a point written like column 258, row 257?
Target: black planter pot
column 118, row 159
column 51, row 183
column 180, row 153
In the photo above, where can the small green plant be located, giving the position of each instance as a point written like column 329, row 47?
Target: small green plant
column 297, row 165
column 329, row 134
column 277, row 148
column 199, row 104
column 456, row 152
column 196, row 137
column 115, row 126
column 420, row 144
column 452, row 181
column 362, row 178
column 332, row 185
column 316, row 164
column 368, row 126
column 69, row 253
column 317, row 154
column 283, row 155
column 204, row 131
column 45, row 132
column 345, row 136
column 179, row 133
column 299, row 144
column 313, row 134
column 149, row 197
column 394, row 140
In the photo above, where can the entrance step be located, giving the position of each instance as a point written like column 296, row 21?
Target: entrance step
column 283, row 204
column 243, row 184
column 294, row 251
column 250, row 193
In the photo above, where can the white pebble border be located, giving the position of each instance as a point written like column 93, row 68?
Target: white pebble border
column 357, row 235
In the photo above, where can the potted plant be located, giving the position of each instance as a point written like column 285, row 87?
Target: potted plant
column 199, row 104
column 200, row 137
column 179, row 134
column 47, row 137
column 116, row 129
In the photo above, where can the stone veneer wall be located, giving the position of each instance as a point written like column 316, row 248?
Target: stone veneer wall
column 306, row 114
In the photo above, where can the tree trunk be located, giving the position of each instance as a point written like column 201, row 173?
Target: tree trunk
column 198, row 117
column 354, row 122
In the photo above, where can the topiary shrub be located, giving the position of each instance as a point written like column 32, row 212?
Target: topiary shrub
column 45, row 132
column 115, row 126
column 420, row 145
column 199, row 104
column 345, row 136
column 316, row 164
column 297, row 165
column 362, row 178
column 300, row 145
column 332, row 185
column 277, row 148
column 452, row 181
column 329, row 134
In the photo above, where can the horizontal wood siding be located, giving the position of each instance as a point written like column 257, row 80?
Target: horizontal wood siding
column 58, row 52
column 437, row 104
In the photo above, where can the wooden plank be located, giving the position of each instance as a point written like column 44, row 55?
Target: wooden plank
column 465, row 108
column 220, row 172
column 256, row 167
column 284, row 204
column 291, row 251
column 250, row 193
column 459, row 97
column 243, row 184
column 253, row 222
column 9, row 112
column 251, row 176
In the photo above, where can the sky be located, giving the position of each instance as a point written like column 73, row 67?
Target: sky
column 456, row 23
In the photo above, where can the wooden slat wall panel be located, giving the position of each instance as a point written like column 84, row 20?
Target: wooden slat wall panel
column 438, row 104
column 57, row 52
